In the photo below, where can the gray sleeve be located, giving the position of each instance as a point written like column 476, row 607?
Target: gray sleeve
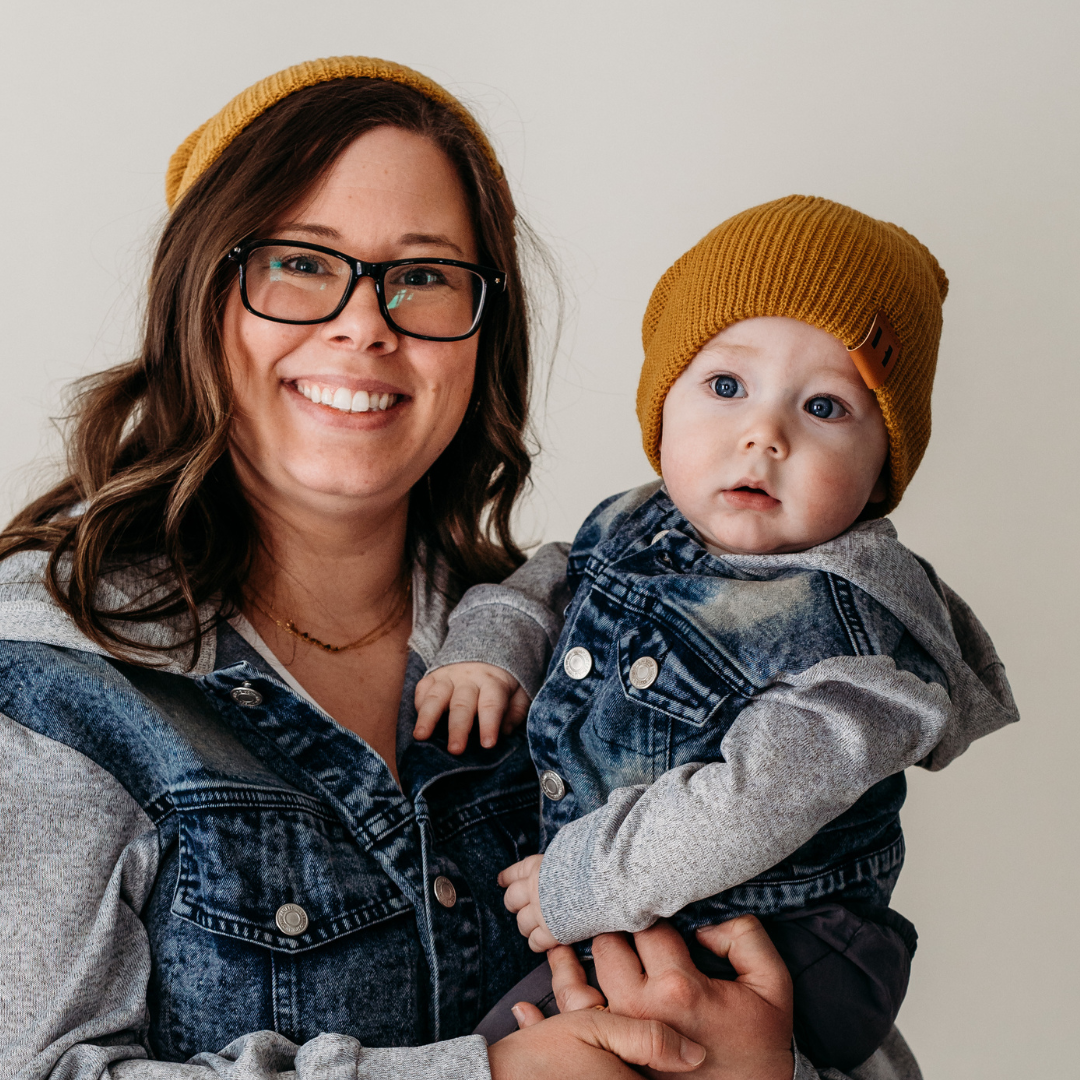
column 892, row 1060
column 795, row 759
column 514, row 625
column 78, row 858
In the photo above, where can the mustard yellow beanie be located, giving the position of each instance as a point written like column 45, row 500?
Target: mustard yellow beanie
column 866, row 282
column 204, row 145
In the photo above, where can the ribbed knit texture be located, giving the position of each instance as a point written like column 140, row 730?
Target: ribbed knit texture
column 204, row 145
column 825, row 264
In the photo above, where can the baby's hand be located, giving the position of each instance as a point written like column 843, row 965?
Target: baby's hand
column 468, row 691
column 522, row 884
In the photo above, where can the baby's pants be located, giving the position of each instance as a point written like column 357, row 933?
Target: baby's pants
column 849, row 966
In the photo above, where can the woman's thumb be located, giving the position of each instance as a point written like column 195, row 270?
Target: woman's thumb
column 647, row 1042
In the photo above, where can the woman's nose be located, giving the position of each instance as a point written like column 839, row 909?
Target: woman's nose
column 361, row 323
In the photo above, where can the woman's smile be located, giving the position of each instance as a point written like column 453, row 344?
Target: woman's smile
column 338, row 395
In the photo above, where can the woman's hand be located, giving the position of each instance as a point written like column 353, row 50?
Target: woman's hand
column 468, row 691
column 744, row 1024
column 522, row 884
column 583, row 1042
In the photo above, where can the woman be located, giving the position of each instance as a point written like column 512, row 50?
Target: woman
column 218, row 822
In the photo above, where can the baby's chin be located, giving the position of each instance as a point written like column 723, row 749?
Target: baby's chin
column 752, row 534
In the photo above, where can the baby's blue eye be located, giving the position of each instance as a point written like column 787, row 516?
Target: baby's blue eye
column 825, row 408
column 726, row 386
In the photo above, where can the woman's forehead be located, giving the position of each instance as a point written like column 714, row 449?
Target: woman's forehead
column 389, row 186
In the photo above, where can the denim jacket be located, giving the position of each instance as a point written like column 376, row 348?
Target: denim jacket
column 158, row 824
column 721, row 734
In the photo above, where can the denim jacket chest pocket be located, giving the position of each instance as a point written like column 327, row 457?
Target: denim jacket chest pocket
column 668, row 676
column 245, row 854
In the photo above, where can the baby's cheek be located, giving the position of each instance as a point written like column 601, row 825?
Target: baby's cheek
column 832, row 497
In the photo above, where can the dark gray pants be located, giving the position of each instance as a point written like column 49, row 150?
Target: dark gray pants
column 849, row 966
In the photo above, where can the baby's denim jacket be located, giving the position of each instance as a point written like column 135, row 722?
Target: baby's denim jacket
column 721, row 735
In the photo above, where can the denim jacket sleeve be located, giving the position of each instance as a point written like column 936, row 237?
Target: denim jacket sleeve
column 78, row 859
column 794, row 759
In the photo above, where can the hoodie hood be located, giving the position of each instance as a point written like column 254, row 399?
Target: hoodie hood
column 29, row 613
column 870, row 556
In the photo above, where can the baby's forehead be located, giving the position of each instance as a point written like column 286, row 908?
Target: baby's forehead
column 774, row 341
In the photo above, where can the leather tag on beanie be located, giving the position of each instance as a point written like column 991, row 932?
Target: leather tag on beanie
column 877, row 354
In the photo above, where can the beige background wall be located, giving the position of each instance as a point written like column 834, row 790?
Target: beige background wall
column 629, row 129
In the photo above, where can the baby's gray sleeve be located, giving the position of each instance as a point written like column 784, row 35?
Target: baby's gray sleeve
column 78, row 859
column 794, row 759
column 514, row 625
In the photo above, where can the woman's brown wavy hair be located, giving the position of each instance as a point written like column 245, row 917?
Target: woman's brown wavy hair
column 150, row 480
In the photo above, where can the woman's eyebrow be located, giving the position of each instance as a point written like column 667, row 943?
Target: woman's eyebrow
column 430, row 240
column 326, row 232
column 323, row 232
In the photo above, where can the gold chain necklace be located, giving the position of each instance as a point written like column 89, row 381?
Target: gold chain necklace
column 380, row 631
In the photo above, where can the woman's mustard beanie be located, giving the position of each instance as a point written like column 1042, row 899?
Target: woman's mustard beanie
column 204, row 145
column 866, row 282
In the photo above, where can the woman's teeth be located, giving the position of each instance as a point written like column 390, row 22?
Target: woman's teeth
column 345, row 400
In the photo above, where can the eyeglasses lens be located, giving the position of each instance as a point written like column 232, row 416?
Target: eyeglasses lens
column 421, row 298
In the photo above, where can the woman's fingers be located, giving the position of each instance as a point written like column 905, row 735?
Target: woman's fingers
column 618, row 968
column 646, row 1042
column 753, row 956
column 526, row 1014
column 661, row 948
column 540, row 937
column 572, row 990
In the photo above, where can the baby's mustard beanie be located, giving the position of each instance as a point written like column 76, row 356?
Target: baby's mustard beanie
column 866, row 282
column 204, row 145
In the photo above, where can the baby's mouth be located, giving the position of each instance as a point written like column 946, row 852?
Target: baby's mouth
column 745, row 497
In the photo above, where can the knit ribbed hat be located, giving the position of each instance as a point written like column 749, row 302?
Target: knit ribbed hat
column 204, row 145
column 822, row 263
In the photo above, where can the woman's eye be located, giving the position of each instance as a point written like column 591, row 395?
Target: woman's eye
column 727, row 386
column 418, row 277
column 825, row 408
column 301, row 264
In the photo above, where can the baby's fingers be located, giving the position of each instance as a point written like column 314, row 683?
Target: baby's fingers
column 432, row 697
column 520, row 870
column 462, row 711
column 517, row 896
column 491, row 706
column 516, row 711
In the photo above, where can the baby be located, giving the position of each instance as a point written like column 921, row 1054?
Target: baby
column 750, row 658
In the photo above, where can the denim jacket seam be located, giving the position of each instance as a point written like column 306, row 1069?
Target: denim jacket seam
column 844, row 604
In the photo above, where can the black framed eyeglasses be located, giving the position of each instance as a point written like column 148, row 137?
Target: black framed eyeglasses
column 289, row 281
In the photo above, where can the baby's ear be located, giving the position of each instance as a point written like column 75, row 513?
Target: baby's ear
column 880, row 491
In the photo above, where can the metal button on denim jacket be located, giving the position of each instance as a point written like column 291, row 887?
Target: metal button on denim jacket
column 707, row 638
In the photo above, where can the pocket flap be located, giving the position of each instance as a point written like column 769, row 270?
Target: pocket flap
column 683, row 684
column 245, row 854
